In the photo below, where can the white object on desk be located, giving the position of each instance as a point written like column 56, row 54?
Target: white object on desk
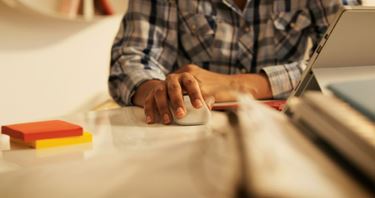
column 193, row 116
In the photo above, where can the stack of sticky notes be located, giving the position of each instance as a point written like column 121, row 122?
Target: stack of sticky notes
column 47, row 134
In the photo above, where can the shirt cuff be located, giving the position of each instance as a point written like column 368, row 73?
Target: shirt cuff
column 283, row 78
column 136, row 79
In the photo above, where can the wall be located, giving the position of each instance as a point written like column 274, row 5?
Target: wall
column 368, row 2
column 51, row 67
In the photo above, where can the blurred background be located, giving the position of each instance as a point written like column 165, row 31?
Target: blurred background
column 54, row 56
column 53, row 61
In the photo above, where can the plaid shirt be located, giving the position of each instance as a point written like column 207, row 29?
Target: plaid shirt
column 157, row 37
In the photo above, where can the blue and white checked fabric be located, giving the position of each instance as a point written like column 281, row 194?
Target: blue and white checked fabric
column 157, row 37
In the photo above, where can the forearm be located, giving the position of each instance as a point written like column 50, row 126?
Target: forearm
column 255, row 84
column 134, row 59
column 225, row 87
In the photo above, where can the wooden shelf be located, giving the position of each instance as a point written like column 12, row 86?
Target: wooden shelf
column 50, row 8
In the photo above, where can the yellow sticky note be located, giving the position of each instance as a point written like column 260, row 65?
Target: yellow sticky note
column 54, row 142
column 46, row 143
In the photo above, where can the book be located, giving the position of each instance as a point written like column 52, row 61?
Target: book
column 105, row 7
column 42, row 130
column 275, row 104
column 11, row 3
column 358, row 94
column 88, row 9
column 69, row 8
column 338, row 128
column 54, row 142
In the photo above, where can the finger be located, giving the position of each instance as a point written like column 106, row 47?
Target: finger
column 157, row 118
column 192, row 87
column 161, row 99
column 149, row 108
column 175, row 95
column 210, row 101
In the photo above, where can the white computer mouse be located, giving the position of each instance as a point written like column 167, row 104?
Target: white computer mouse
column 193, row 116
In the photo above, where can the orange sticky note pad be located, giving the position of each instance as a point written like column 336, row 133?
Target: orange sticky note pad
column 42, row 130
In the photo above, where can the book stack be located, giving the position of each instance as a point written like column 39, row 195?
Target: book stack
column 343, row 121
column 46, row 134
column 86, row 8
column 358, row 94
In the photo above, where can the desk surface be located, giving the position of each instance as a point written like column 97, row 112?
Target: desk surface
column 132, row 159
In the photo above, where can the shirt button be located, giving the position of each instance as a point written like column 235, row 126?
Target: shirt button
column 293, row 25
column 193, row 28
column 279, row 26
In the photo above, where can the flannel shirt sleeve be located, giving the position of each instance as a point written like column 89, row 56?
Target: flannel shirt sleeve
column 144, row 48
column 284, row 78
column 352, row 2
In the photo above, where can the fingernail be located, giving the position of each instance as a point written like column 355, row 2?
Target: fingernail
column 148, row 119
column 198, row 103
column 180, row 112
column 166, row 118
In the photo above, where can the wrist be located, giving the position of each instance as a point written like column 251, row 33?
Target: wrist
column 143, row 91
column 266, row 91
column 255, row 84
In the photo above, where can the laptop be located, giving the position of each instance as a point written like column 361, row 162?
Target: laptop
column 345, row 56
column 346, row 52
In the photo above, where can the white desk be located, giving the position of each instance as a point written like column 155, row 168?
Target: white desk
column 131, row 159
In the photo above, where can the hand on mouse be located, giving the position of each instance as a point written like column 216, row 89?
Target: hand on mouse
column 201, row 85
column 155, row 96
